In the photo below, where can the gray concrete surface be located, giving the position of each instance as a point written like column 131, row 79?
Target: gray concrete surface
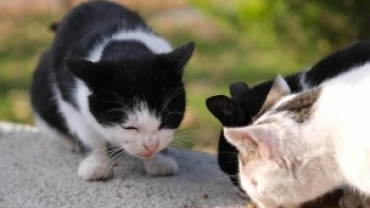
column 36, row 172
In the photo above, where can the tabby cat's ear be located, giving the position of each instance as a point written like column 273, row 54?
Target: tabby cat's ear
column 225, row 109
column 278, row 89
column 261, row 138
column 180, row 56
column 87, row 71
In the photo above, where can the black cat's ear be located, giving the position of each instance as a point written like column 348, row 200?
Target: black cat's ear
column 180, row 56
column 238, row 90
column 87, row 71
column 225, row 109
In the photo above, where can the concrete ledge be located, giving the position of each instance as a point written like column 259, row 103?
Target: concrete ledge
column 36, row 172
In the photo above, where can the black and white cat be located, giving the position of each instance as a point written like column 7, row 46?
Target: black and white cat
column 109, row 81
column 306, row 144
column 245, row 103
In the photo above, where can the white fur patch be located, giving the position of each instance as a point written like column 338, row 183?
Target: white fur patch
column 153, row 42
column 95, row 166
column 77, row 124
column 303, row 82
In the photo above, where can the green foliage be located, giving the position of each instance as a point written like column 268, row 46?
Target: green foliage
column 293, row 25
column 22, row 40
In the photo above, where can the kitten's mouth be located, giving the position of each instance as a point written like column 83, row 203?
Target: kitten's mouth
column 146, row 155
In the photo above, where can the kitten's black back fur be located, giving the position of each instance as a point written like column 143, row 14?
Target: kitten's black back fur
column 245, row 103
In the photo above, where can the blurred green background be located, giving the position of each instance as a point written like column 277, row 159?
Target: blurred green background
column 237, row 40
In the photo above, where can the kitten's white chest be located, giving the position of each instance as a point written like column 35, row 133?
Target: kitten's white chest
column 76, row 122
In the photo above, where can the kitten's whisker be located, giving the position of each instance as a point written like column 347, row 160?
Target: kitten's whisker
column 172, row 97
column 100, row 149
column 178, row 142
column 104, row 114
column 117, row 154
column 188, row 134
column 169, row 98
column 107, row 149
column 178, row 146
column 216, row 180
column 184, row 139
column 120, row 159
column 187, row 131
column 117, row 162
column 165, row 101
column 181, row 144
column 124, row 160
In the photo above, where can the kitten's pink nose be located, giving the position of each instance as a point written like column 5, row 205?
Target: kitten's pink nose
column 151, row 147
column 150, row 150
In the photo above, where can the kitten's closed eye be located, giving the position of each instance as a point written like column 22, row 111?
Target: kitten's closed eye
column 130, row 128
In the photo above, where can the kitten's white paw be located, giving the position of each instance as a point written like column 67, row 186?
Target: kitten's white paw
column 95, row 167
column 161, row 165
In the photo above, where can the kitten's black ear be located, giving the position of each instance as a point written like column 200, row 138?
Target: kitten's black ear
column 87, row 71
column 225, row 109
column 181, row 55
column 238, row 90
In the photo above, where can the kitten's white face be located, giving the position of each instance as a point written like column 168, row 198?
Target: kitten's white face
column 269, row 181
column 275, row 167
column 283, row 161
column 141, row 134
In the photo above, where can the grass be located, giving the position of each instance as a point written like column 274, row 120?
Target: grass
column 216, row 63
column 22, row 40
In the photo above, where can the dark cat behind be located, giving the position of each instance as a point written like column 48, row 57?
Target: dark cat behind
column 245, row 103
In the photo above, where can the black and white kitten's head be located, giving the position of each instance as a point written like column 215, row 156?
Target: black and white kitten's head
column 135, row 102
